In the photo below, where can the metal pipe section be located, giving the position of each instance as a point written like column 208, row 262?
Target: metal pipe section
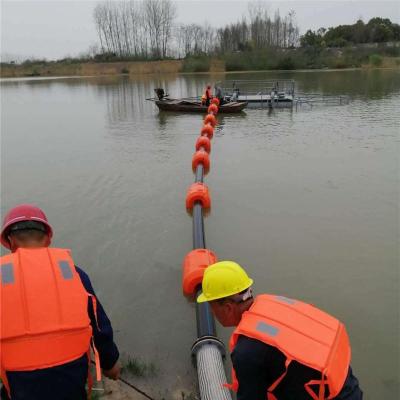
column 205, row 319
column 208, row 350
column 199, row 173
column 211, row 373
column 199, row 241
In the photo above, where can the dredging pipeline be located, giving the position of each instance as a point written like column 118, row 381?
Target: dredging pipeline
column 207, row 350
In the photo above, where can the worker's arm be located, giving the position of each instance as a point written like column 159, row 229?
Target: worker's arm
column 103, row 334
column 252, row 362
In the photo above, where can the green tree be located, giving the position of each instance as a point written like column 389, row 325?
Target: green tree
column 376, row 30
column 359, row 32
column 311, row 38
column 381, row 33
column 396, row 31
column 380, row 29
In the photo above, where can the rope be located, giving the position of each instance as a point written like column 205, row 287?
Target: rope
column 137, row 389
column 132, row 386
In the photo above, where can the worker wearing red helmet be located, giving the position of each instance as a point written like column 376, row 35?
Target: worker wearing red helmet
column 50, row 316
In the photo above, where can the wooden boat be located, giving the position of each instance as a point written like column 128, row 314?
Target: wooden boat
column 181, row 105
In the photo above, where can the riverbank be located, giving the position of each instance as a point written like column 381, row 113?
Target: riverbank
column 62, row 68
column 233, row 63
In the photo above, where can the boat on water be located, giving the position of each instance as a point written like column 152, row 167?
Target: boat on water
column 182, row 105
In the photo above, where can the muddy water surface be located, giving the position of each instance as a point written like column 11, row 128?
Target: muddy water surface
column 306, row 200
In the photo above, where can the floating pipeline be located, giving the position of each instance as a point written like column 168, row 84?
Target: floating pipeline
column 208, row 131
column 201, row 157
column 211, row 120
column 198, row 194
column 208, row 351
column 203, row 142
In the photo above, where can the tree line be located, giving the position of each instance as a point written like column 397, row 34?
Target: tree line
column 259, row 31
column 141, row 29
column 147, row 29
column 377, row 30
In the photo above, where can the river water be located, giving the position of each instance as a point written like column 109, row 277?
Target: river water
column 306, row 201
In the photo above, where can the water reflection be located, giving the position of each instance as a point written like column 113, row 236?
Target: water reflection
column 364, row 84
column 369, row 84
column 162, row 119
column 127, row 101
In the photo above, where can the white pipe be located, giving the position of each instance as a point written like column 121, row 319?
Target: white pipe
column 211, row 373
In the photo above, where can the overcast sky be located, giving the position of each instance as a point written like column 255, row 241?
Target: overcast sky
column 55, row 29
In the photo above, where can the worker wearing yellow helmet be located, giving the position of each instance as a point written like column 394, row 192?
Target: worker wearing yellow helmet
column 281, row 349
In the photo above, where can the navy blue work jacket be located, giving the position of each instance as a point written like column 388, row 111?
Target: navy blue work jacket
column 258, row 365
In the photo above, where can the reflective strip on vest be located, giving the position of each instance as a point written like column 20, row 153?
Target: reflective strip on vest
column 7, row 273
column 268, row 329
column 65, row 269
column 285, row 300
column 44, row 310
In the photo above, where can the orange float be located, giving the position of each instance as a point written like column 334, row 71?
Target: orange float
column 212, row 109
column 210, row 119
column 198, row 192
column 215, row 100
column 201, row 157
column 194, row 264
column 207, row 130
column 203, row 142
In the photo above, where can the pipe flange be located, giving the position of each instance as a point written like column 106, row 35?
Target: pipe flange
column 208, row 340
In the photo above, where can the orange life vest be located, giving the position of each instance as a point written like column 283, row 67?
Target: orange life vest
column 43, row 310
column 304, row 334
column 208, row 93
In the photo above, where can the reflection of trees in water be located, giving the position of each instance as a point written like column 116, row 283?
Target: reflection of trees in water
column 126, row 95
column 126, row 98
column 124, row 101
column 191, row 85
column 368, row 84
column 186, row 86
column 45, row 85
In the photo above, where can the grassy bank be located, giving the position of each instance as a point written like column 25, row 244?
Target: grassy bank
column 256, row 60
column 300, row 58
column 73, row 68
column 309, row 58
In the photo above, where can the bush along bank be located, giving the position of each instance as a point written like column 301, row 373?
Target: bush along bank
column 311, row 57
column 76, row 67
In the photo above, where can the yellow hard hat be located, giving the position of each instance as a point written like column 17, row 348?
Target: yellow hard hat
column 223, row 279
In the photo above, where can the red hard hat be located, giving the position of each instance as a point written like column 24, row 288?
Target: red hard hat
column 23, row 212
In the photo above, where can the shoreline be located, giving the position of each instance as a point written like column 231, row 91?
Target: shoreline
column 57, row 69
column 131, row 68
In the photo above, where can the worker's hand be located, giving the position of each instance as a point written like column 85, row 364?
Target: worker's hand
column 114, row 372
